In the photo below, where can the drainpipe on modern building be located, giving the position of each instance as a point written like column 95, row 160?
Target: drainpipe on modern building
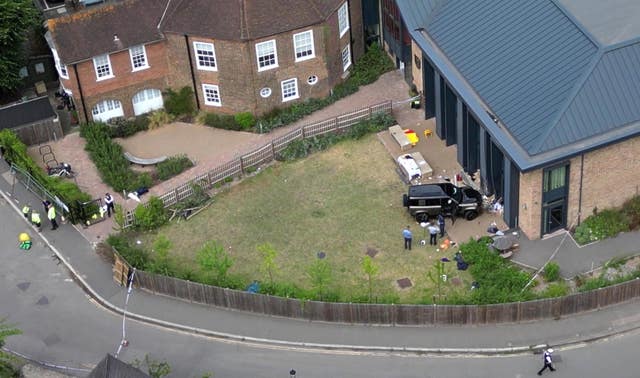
column 84, row 106
column 580, row 193
column 193, row 75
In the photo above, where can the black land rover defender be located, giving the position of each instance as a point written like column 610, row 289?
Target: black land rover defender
column 424, row 201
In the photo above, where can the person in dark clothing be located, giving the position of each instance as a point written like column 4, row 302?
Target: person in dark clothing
column 441, row 224
column 108, row 200
column 548, row 361
column 46, row 204
column 408, row 236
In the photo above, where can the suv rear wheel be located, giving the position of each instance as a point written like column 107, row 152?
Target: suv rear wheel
column 470, row 215
column 422, row 217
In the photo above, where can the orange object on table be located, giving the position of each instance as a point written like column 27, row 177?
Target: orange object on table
column 412, row 136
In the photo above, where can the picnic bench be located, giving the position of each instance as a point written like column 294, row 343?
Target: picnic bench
column 142, row 161
column 425, row 168
column 399, row 136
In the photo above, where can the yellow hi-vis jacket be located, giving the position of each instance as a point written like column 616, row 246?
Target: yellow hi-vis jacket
column 35, row 217
column 26, row 210
column 51, row 214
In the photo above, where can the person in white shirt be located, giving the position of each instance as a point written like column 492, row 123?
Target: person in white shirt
column 108, row 200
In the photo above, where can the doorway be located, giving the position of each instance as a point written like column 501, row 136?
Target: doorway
column 553, row 216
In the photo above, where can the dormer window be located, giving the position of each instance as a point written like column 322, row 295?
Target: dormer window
column 138, row 56
column 102, row 65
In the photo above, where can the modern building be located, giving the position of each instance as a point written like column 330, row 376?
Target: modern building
column 542, row 97
column 116, row 59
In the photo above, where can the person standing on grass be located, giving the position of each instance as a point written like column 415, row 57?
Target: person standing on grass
column 408, row 236
column 108, row 200
column 433, row 234
column 548, row 361
column 51, row 214
column 441, row 224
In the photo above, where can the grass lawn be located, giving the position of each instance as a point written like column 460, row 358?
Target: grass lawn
column 342, row 202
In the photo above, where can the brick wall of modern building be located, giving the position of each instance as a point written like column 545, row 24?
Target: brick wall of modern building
column 530, row 207
column 416, row 73
column 607, row 181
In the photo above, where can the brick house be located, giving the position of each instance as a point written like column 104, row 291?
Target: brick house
column 542, row 97
column 243, row 55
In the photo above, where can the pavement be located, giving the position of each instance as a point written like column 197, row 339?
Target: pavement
column 94, row 275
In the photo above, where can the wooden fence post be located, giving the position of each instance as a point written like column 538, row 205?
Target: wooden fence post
column 273, row 151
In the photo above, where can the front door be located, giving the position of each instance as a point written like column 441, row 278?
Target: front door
column 553, row 216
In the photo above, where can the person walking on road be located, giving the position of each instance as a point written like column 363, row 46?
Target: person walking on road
column 51, row 214
column 408, row 236
column 548, row 361
column 108, row 200
column 441, row 224
column 433, row 234
column 35, row 220
column 26, row 209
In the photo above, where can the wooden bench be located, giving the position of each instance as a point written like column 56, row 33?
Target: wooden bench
column 400, row 137
column 141, row 161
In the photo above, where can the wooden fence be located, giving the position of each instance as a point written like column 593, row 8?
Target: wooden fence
column 265, row 154
column 40, row 132
column 364, row 313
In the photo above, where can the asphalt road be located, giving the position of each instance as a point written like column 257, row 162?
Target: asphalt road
column 62, row 326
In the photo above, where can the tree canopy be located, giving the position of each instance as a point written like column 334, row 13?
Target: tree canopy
column 17, row 17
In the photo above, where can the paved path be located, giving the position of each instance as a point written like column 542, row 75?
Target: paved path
column 96, row 275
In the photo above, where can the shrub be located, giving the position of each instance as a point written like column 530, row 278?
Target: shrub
column 301, row 148
column 499, row 281
column 555, row 290
column 173, row 166
column 136, row 257
column 151, row 216
column 221, row 121
column 159, row 118
column 179, row 103
column 127, row 127
column 631, row 209
column 551, row 272
column 601, row 225
column 109, row 159
column 246, row 120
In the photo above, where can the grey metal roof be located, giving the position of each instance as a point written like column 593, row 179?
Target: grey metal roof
column 533, row 65
column 609, row 21
column 26, row 113
column 609, row 99
column 522, row 57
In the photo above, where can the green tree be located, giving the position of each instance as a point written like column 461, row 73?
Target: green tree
column 371, row 270
column 320, row 274
column 17, row 17
column 6, row 369
column 156, row 369
column 438, row 275
column 268, row 265
column 162, row 261
column 213, row 258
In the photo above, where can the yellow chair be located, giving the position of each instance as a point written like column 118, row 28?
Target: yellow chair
column 427, row 133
